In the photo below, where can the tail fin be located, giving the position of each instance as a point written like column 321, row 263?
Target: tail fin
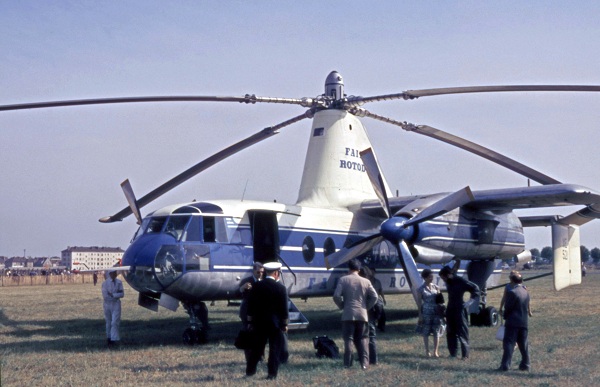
column 567, row 255
column 334, row 175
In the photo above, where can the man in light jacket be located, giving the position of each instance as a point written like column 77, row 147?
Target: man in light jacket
column 355, row 296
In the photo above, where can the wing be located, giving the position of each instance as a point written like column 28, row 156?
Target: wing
column 507, row 199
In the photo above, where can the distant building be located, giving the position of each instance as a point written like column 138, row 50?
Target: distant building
column 90, row 258
column 17, row 263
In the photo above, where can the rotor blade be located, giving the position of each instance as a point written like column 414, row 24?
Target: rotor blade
column 446, row 204
column 467, row 145
column 204, row 164
column 412, row 94
column 104, row 101
column 130, row 196
column 411, row 272
column 347, row 253
column 376, row 177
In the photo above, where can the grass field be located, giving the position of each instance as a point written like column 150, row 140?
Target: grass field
column 54, row 336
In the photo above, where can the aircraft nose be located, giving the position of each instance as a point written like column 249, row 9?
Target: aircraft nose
column 142, row 252
column 141, row 255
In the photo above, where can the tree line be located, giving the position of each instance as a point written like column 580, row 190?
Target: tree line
column 586, row 254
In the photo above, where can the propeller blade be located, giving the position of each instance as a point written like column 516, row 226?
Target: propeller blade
column 205, row 164
column 130, row 196
column 412, row 94
column 376, row 177
column 347, row 253
column 410, row 269
column 467, row 145
column 105, row 101
column 446, row 204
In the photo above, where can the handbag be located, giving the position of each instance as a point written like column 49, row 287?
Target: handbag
column 442, row 330
column 500, row 332
column 245, row 339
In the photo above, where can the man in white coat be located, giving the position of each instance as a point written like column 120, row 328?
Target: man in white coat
column 112, row 292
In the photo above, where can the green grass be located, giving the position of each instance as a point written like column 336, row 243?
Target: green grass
column 54, row 336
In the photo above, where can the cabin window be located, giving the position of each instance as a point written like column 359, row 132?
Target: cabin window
column 308, row 249
column 328, row 247
column 215, row 230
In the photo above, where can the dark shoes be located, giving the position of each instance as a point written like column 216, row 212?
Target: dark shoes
column 271, row 377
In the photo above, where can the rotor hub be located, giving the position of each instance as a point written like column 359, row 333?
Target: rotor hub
column 334, row 86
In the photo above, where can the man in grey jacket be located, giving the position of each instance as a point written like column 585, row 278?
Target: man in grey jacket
column 355, row 296
column 516, row 321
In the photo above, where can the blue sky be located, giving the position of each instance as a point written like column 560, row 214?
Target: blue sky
column 61, row 168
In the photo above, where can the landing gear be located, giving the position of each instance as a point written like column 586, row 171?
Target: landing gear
column 197, row 333
column 479, row 272
column 487, row 317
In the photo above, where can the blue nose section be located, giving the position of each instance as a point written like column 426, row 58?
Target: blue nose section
column 142, row 252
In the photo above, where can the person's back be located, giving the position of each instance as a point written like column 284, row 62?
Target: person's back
column 355, row 298
column 516, row 308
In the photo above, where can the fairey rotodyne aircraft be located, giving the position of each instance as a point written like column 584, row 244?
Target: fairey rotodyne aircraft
column 195, row 252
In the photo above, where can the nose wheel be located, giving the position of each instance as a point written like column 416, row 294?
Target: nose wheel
column 195, row 335
column 197, row 331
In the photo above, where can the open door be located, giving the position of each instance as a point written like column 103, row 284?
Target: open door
column 265, row 235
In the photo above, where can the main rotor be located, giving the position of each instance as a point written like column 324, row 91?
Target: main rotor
column 333, row 98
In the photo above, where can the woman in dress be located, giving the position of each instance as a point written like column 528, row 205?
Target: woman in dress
column 429, row 316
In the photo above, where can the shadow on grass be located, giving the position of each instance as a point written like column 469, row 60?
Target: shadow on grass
column 86, row 334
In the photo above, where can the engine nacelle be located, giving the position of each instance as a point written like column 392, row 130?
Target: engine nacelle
column 430, row 256
column 525, row 256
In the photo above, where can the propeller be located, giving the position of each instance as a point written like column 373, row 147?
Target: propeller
column 398, row 229
column 205, row 164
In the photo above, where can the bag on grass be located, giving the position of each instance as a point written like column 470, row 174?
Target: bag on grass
column 326, row 347
column 500, row 333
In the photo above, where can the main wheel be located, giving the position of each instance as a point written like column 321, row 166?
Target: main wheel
column 490, row 316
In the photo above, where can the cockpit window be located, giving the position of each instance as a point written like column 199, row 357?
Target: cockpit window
column 155, row 225
column 176, row 225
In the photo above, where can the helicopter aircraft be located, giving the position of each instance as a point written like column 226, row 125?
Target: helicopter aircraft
column 199, row 251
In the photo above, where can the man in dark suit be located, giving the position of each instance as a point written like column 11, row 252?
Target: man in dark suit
column 516, row 317
column 355, row 296
column 245, row 287
column 268, row 318
column 456, row 312
column 244, row 291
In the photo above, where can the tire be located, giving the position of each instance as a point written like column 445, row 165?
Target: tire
column 201, row 336
column 490, row 316
column 475, row 319
column 189, row 336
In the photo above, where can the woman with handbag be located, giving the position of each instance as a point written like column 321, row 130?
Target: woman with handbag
column 430, row 312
